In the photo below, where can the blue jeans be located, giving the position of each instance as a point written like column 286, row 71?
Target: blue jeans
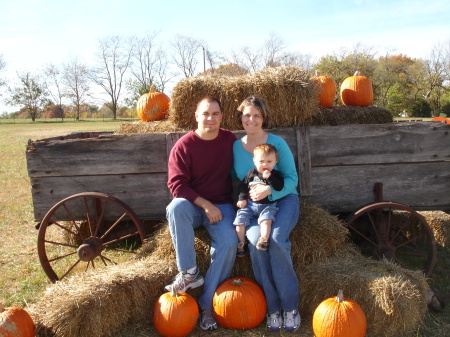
column 256, row 210
column 183, row 217
column 273, row 268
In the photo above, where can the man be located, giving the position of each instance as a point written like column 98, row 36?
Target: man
column 199, row 180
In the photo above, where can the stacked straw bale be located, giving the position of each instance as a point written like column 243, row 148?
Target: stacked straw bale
column 121, row 297
column 288, row 91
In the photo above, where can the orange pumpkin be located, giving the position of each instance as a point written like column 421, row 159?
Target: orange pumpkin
column 152, row 106
column 356, row 90
column 327, row 90
column 15, row 322
column 175, row 314
column 339, row 317
column 441, row 119
column 239, row 303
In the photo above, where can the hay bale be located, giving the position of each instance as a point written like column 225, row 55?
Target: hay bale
column 107, row 302
column 439, row 223
column 101, row 303
column 287, row 90
column 148, row 127
column 393, row 299
column 340, row 115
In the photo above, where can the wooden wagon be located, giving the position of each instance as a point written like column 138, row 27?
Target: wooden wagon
column 93, row 192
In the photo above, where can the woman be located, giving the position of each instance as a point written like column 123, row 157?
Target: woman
column 273, row 268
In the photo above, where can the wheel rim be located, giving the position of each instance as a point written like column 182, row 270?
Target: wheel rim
column 86, row 231
column 396, row 232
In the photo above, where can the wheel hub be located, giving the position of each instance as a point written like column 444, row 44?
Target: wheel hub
column 90, row 249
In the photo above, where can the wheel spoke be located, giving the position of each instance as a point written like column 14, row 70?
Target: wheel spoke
column 114, row 225
column 120, row 239
column 88, row 216
column 62, row 256
column 73, row 221
column 100, row 218
column 70, row 269
column 60, row 244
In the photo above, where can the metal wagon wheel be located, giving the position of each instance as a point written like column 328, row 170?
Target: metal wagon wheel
column 85, row 231
column 396, row 232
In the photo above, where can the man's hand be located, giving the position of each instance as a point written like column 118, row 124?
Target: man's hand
column 241, row 203
column 212, row 212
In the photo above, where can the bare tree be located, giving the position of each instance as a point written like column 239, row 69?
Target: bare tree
column 186, row 52
column 295, row 59
column 114, row 59
column 144, row 60
column 272, row 49
column 54, row 87
column 248, row 59
column 162, row 76
column 77, row 82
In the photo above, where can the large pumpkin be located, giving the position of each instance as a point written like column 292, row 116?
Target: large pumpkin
column 15, row 322
column 339, row 317
column 356, row 90
column 152, row 106
column 239, row 303
column 175, row 314
column 327, row 90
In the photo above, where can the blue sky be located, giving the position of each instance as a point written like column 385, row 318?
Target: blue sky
column 36, row 32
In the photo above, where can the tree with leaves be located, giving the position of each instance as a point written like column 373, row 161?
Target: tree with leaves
column 30, row 94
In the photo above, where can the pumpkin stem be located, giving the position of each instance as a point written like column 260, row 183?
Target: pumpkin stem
column 237, row 282
column 316, row 73
column 357, row 73
column 175, row 292
column 152, row 89
column 340, row 296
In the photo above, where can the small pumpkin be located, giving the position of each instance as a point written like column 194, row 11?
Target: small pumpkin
column 441, row 119
column 356, row 90
column 239, row 303
column 327, row 89
column 339, row 317
column 175, row 314
column 152, row 106
column 15, row 322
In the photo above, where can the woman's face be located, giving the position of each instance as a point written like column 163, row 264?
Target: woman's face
column 252, row 119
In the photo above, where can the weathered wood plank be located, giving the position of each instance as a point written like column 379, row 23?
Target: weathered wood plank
column 112, row 154
column 146, row 194
column 380, row 143
column 347, row 188
column 304, row 161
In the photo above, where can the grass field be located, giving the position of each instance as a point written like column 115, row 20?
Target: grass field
column 21, row 276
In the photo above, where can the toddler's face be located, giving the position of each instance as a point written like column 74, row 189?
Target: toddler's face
column 264, row 161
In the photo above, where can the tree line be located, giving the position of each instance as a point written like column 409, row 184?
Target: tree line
column 126, row 67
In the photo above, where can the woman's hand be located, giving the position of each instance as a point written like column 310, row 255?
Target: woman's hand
column 259, row 192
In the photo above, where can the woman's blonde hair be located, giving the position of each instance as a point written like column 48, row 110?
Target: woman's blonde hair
column 259, row 104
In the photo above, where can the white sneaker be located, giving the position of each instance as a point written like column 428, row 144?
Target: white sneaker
column 291, row 320
column 185, row 281
column 207, row 320
column 274, row 321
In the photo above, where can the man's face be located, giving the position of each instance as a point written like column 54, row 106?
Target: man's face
column 208, row 117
